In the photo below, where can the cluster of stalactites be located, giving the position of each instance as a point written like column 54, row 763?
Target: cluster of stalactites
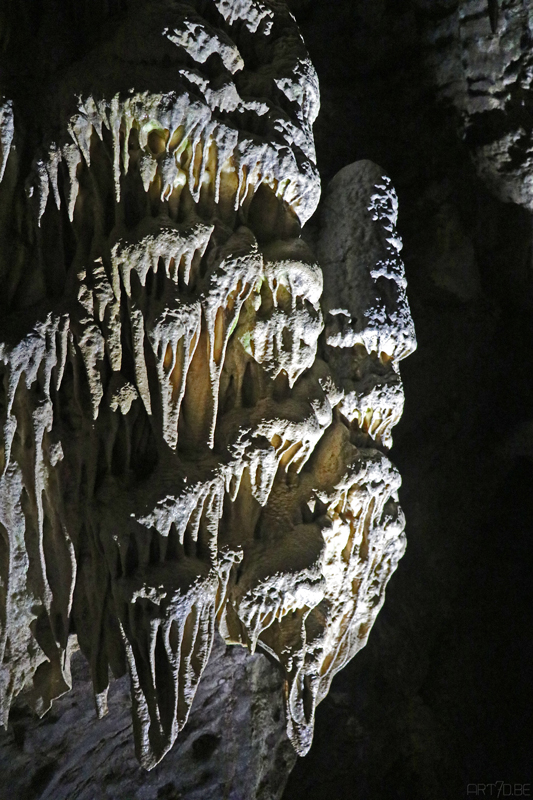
column 233, row 132
column 192, row 435
column 177, row 143
column 301, row 501
column 269, row 299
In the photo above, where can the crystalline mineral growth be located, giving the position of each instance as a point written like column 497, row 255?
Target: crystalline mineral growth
column 194, row 414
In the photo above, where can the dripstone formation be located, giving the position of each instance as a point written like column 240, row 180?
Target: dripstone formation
column 196, row 402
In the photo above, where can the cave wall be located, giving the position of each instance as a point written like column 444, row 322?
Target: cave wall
column 440, row 697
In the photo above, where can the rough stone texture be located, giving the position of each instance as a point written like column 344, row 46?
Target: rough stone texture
column 480, row 58
column 235, row 744
column 194, row 418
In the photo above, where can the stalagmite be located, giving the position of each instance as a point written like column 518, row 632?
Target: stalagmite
column 194, row 406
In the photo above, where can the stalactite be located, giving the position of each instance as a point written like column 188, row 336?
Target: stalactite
column 193, row 426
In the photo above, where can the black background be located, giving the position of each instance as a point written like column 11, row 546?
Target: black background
column 441, row 696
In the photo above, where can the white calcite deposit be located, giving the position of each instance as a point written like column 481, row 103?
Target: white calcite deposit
column 194, row 407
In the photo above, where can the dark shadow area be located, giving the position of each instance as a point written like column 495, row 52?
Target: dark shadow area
column 441, row 696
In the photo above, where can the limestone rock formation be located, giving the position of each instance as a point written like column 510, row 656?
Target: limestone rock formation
column 234, row 743
column 479, row 55
column 195, row 407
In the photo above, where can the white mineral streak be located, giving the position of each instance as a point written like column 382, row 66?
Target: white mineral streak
column 176, row 330
column 182, row 409
column 231, row 282
column 365, row 299
column 200, row 42
column 25, row 581
column 364, row 541
column 7, row 130
column 300, row 87
column 198, row 147
column 250, row 13
column 181, row 634
column 373, row 309
column 184, row 113
column 283, row 321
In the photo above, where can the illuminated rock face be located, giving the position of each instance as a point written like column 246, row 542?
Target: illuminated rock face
column 194, row 406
